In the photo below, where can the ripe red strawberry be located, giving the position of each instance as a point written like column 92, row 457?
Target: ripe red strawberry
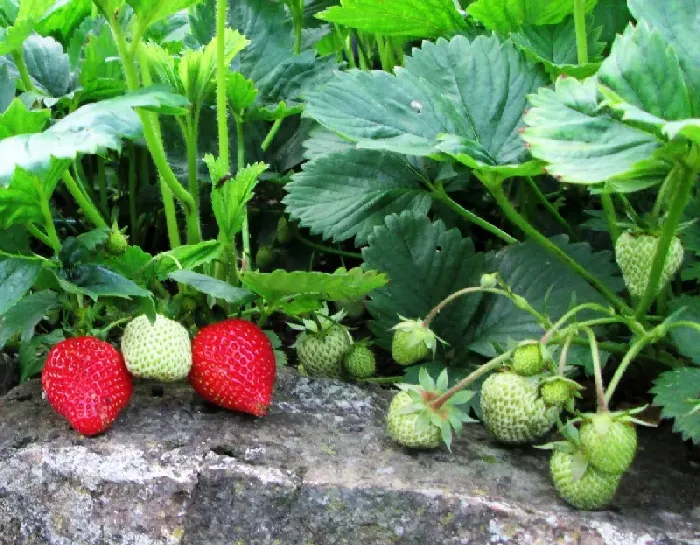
column 233, row 366
column 85, row 380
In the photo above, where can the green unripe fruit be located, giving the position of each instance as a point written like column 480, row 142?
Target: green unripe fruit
column 594, row 490
column 283, row 233
column 555, row 393
column 411, row 430
column 527, row 360
column 265, row 257
column 116, row 243
column 321, row 354
column 609, row 445
column 360, row 362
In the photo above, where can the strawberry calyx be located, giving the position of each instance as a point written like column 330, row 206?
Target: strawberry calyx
column 448, row 416
column 418, row 334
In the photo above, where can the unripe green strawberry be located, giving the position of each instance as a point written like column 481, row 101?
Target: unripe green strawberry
column 634, row 253
column 527, row 359
column 322, row 353
column 283, row 234
column 161, row 351
column 593, row 490
column 555, row 393
column 264, row 257
column 353, row 308
column 412, row 342
column 410, row 429
column 116, row 242
column 512, row 410
column 610, row 445
column 360, row 362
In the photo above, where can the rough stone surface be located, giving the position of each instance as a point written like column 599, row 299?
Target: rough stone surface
column 319, row 470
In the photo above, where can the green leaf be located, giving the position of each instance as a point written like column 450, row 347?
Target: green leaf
column 321, row 141
column 23, row 317
column 101, row 75
column 33, row 10
column 97, row 281
column 411, row 18
column 677, row 22
column 240, row 91
column 338, row 286
column 48, row 65
column 473, row 91
column 684, row 338
column 93, row 128
column 613, row 16
column 555, row 47
column 185, row 257
column 677, row 392
column 17, row 119
column 347, row 194
column 547, row 284
column 32, row 355
column 212, row 286
column 17, row 276
column 131, row 264
column 643, row 71
column 8, row 87
column 63, row 17
column 505, row 16
column 582, row 142
column 11, row 38
column 424, row 263
column 229, row 198
column 21, row 201
column 152, row 11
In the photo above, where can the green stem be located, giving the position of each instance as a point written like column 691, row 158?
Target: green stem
column 347, row 46
column 271, row 135
column 133, row 213
column 18, row 56
column 635, row 349
column 102, row 184
column 561, row 371
column 86, row 205
column 496, row 189
column 327, row 249
column 580, row 26
column 550, row 207
column 610, row 214
column 495, row 363
column 597, row 372
column 152, row 135
column 52, row 235
column 192, row 151
column 247, row 257
column 441, row 195
column 221, row 71
column 298, row 18
column 144, row 168
column 384, row 56
column 570, row 314
column 36, row 233
column 170, row 215
column 685, row 179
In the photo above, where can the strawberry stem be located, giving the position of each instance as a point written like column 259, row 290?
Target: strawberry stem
column 684, row 180
column 564, row 354
column 599, row 389
column 462, row 384
column 566, row 317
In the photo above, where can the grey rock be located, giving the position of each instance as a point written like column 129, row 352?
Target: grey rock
column 319, row 470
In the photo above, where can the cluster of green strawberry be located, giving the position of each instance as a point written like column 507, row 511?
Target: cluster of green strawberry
column 230, row 363
column 325, row 348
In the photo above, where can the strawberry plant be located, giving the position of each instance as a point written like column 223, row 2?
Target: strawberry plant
column 498, row 196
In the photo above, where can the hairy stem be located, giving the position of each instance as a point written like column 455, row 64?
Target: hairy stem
column 298, row 19
column 86, row 205
column 221, row 71
column 25, row 78
column 610, row 215
column 326, row 249
column 685, row 179
column 580, row 27
column 192, row 178
column 570, row 314
column 466, row 381
column 133, row 212
column 246, row 258
column 439, row 193
column 496, row 189
column 597, row 371
column 36, row 233
column 271, row 135
column 563, row 355
column 550, row 208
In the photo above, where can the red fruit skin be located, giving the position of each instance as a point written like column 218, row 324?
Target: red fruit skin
column 233, row 366
column 86, row 381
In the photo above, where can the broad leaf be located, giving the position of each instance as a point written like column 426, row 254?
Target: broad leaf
column 678, row 393
column 613, row 16
column 63, row 17
column 473, row 92
column 411, row 18
column 505, row 16
column 22, row 318
column 229, row 198
column 677, row 21
column 555, row 47
column 152, row 11
column 29, row 12
column 338, row 286
column 48, row 65
column 547, row 284
column 321, row 141
column 101, row 75
column 17, row 119
column 185, row 258
column 8, row 88
column 582, row 142
column 17, row 276
column 211, row 286
column 424, row 263
column 686, row 339
column 93, row 128
column 96, row 281
column 346, row 194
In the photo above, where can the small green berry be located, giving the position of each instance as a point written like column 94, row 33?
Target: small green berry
column 555, row 393
column 609, row 444
column 593, row 490
column 527, row 359
column 360, row 362
column 411, row 429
